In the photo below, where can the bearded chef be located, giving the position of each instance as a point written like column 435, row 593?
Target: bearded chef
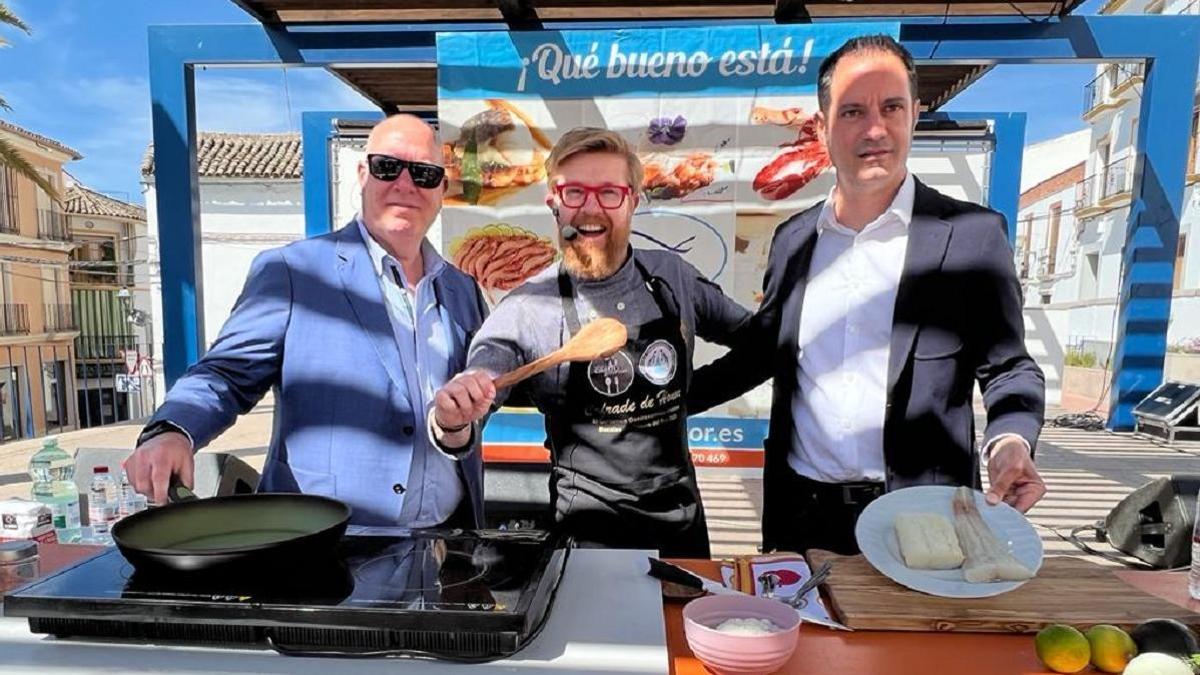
column 616, row 426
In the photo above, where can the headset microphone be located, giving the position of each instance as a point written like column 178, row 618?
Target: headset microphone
column 568, row 231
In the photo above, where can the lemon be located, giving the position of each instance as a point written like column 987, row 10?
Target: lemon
column 1112, row 648
column 1063, row 649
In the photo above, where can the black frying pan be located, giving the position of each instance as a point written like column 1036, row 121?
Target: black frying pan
column 250, row 532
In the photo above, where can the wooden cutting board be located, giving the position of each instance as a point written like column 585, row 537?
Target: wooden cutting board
column 1066, row 590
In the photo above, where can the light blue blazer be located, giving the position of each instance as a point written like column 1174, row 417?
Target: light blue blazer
column 311, row 323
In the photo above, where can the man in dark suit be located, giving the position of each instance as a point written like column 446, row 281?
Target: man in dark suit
column 908, row 298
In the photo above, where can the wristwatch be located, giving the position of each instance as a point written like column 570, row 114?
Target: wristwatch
column 159, row 428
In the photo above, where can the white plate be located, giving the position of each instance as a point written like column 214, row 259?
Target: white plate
column 876, row 535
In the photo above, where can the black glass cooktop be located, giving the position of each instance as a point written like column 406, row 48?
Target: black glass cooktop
column 472, row 595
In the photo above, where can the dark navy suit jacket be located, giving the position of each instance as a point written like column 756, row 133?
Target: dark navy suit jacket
column 957, row 321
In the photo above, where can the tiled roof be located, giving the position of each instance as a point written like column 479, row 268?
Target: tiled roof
column 227, row 155
column 84, row 202
column 40, row 139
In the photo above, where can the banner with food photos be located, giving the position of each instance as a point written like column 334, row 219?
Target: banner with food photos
column 722, row 119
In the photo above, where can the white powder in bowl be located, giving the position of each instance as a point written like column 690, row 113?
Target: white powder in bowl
column 747, row 626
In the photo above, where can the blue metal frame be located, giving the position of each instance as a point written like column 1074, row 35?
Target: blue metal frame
column 317, row 129
column 1153, row 225
column 1004, row 177
column 174, row 52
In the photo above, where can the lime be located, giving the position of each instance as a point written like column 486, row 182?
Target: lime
column 1112, row 648
column 1063, row 649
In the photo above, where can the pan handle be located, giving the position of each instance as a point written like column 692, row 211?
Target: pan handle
column 178, row 492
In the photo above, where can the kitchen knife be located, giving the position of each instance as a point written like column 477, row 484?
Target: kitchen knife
column 665, row 571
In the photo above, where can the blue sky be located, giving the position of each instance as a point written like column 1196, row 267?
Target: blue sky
column 81, row 78
column 1051, row 95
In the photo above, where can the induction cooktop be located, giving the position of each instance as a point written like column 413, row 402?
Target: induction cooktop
column 474, row 595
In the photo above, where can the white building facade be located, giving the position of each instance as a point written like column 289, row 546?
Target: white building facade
column 1071, row 226
column 251, row 200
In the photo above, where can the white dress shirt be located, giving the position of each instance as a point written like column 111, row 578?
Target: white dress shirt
column 418, row 321
column 844, row 343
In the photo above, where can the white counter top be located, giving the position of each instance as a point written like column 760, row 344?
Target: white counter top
column 607, row 618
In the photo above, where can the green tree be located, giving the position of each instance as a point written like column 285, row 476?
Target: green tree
column 9, row 156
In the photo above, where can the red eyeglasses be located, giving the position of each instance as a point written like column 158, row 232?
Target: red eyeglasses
column 575, row 195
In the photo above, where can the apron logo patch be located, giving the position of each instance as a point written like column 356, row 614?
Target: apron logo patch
column 612, row 375
column 658, row 362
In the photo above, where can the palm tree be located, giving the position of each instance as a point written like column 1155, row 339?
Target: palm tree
column 8, row 152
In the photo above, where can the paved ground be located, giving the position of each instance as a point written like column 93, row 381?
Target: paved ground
column 1087, row 472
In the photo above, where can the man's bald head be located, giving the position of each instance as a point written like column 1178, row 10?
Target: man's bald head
column 398, row 213
column 410, row 127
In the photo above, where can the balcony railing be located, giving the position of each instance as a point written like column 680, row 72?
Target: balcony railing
column 1093, row 92
column 1111, row 78
column 59, row 318
column 1117, row 177
column 14, row 319
column 103, row 275
column 1047, row 263
column 107, row 347
column 1124, row 73
column 1114, row 179
column 1085, row 193
column 52, row 225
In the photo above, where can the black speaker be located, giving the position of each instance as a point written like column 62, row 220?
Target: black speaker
column 1154, row 523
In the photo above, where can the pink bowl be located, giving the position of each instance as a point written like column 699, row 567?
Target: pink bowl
column 742, row 654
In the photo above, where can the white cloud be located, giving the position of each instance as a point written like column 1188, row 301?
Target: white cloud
column 117, row 110
column 262, row 101
column 108, row 119
column 122, row 95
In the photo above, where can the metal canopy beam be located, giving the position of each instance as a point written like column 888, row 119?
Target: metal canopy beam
column 316, row 130
column 792, row 11
column 1152, row 229
column 1004, row 178
column 519, row 14
column 394, row 89
column 318, row 12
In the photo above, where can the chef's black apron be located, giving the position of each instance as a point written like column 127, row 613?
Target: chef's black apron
column 622, row 474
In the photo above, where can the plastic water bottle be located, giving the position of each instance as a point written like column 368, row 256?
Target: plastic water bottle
column 102, row 501
column 129, row 501
column 1194, row 574
column 53, row 473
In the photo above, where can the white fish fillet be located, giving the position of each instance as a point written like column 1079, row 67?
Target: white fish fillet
column 927, row 541
column 986, row 558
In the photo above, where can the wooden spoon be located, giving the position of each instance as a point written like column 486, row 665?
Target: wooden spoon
column 597, row 339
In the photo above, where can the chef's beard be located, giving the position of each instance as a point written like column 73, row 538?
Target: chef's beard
column 585, row 260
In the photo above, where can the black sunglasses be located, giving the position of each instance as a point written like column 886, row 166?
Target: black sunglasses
column 388, row 168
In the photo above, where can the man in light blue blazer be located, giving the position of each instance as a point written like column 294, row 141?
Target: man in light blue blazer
column 355, row 331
